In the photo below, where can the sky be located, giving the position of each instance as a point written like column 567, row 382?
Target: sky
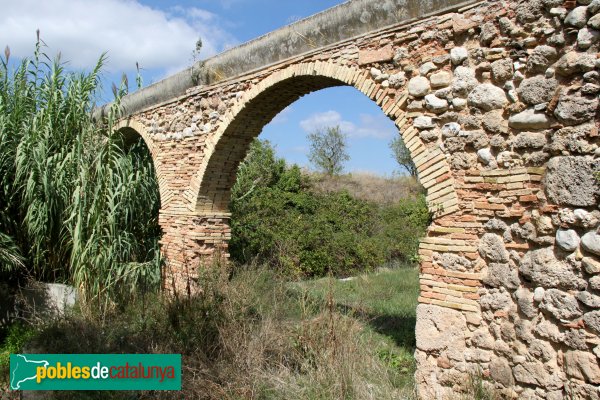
column 161, row 37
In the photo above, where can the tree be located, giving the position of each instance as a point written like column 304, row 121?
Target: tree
column 260, row 169
column 402, row 156
column 328, row 149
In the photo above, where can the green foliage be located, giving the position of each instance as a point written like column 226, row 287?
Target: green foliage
column 10, row 254
column 17, row 336
column 402, row 155
column 262, row 169
column 75, row 203
column 278, row 219
column 402, row 226
column 303, row 233
column 328, row 150
column 396, row 361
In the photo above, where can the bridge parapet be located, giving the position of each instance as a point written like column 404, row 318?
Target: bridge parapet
column 343, row 22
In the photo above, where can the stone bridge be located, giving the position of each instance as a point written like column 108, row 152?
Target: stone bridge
column 496, row 101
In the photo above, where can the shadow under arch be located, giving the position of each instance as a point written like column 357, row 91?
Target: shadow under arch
column 229, row 145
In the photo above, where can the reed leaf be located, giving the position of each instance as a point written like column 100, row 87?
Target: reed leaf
column 76, row 203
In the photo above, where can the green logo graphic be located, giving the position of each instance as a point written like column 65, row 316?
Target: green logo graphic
column 23, row 370
column 95, row 371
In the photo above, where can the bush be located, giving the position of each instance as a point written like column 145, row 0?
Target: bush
column 17, row 336
column 403, row 225
column 277, row 218
column 305, row 234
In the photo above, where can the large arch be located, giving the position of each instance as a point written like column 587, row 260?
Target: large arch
column 442, row 292
column 229, row 145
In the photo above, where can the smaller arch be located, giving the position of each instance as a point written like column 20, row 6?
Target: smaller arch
column 130, row 136
column 130, row 130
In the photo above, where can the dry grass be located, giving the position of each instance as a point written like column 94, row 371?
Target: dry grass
column 258, row 337
column 370, row 187
column 251, row 337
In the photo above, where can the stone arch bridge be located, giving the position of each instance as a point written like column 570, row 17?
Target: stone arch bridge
column 496, row 101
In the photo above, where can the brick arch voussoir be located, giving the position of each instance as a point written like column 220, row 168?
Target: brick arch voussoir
column 139, row 128
column 434, row 171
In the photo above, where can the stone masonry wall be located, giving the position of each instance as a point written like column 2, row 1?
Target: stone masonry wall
column 498, row 104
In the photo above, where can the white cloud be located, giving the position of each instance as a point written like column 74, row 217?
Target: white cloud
column 325, row 119
column 374, row 126
column 129, row 31
column 377, row 126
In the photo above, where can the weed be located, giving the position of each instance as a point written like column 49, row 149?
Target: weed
column 76, row 203
column 255, row 336
column 17, row 336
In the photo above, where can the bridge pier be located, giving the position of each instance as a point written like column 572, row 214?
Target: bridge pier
column 189, row 243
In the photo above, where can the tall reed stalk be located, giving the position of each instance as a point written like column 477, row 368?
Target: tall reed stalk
column 76, row 203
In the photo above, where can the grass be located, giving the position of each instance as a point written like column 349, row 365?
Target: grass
column 386, row 303
column 370, row 187
column 257, row 336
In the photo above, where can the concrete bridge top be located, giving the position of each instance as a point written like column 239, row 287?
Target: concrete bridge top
column 336, row 24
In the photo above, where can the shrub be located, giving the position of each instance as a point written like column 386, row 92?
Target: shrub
column 17, row 336
column 305, row 234
column 403, row 225
column 277, row 218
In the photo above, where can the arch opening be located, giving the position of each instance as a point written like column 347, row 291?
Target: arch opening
column 230, row 149
column 219, row 175
column 131, row 136
column 138, row 162
column 229, row 145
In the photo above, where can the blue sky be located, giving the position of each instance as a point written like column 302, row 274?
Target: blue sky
column 161, row 36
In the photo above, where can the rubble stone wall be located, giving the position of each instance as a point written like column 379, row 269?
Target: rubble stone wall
column 498, row 105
